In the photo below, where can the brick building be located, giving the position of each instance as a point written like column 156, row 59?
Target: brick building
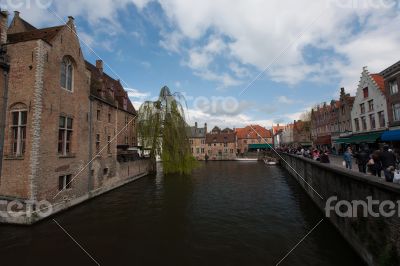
column 61, row 117
column 344, row 119
column 253, row 137
column 302, row 133
column 197, row 140
column 324, row 124
column 221, row 144
column 391, row 77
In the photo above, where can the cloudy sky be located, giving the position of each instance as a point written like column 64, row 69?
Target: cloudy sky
column 236, row 61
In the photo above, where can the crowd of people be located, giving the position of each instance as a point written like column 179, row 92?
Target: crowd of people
column 375, row 162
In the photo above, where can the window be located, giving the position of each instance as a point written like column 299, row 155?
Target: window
column 67, row 74
column 202, row 150
column 197, row 150
column 109, row 144
column 365, row 92
column 393, row 87
column 362, row 108
column 18, row 131
column 371, row 105
column 364, row 123
column 97, row 143
column 396, row 112
column 98, row 115
column 357, row 124
column 126, row 120
column 64, row 135
column 372, row 121
column 64, row 182
column 343, row 110
column 109, row 118
column 105, row 171
column 126, row 140
column 381, row 116
column 203, row 141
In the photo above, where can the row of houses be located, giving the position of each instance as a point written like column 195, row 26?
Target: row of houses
column 62, row 118
column 370, row 117
column 228, row 144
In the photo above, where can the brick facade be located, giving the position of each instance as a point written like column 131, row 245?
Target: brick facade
column 391, row 76
column 221, row 144
column 32, row 169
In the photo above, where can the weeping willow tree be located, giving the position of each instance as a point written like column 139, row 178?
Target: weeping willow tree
column 163, row 130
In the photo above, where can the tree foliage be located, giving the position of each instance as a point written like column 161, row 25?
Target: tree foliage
column 162, row 129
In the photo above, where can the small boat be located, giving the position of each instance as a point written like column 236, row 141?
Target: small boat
column 270, row 162
column 246, row 159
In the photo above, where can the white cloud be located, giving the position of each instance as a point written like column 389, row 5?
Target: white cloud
column 285, row 100
column 257, row 31
column 137, row 97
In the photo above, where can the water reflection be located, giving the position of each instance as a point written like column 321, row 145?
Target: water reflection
column 225, row 213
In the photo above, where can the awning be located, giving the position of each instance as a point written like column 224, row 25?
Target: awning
column 342, row 141
column 391, row 135
column 365, row 138
column 260, row 146
column 324, row 140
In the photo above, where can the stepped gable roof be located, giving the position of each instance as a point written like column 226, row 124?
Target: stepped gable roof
column 100, row 82
column 379, row 81
column 46, row 34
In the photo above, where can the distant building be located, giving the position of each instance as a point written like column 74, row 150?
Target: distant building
column 324, row 123
column 287, row 136
column 369, row 114
column 277, row 135
column 252, row 138
column 302, row 133
column 197, row 139
column 221, row 144
column 344, row 119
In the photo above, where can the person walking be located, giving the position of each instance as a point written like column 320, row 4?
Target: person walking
column 388, row 160
column 362, row 159
column 348, row 158
column 324, row 158
column 375, row 164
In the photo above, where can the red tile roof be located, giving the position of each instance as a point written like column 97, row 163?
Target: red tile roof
column 250, row 132
column 102, row 81
column 380, row 81
column 46, row 34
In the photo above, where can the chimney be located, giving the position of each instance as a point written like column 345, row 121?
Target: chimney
column 3, row 26
column 71, row 23
column 205, row 127
column 16, row 14
column 99, row 65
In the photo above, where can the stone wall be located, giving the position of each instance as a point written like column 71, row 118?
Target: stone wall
column 375, row 239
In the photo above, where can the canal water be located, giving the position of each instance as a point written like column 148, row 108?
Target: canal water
column 225, row 213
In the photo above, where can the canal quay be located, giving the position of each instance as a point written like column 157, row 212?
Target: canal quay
column 224, row 213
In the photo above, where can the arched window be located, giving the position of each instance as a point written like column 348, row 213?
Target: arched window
column 67, row 73
column 18, row 121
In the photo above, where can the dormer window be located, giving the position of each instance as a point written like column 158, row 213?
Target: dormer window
column 67, row 72
column 125, row 103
